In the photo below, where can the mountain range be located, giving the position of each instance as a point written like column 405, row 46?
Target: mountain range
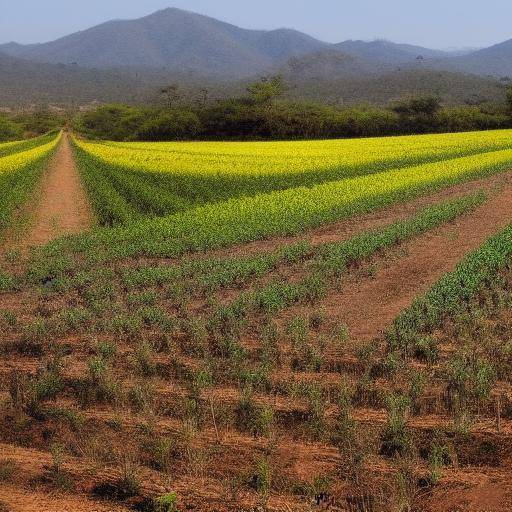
column 181, row 40
column 175, row 43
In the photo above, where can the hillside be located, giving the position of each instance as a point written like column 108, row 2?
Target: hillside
column 328, row 64
column 131, row 60
column 494, row 61
column 452, row 88
column 327, row 76
column 24, row 82
column 386, row 52
column 184, row 42
column 173, row 39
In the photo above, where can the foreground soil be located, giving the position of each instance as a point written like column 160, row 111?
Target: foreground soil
column 154, row 426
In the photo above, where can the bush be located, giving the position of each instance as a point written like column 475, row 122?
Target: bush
column 9, row 130
column 171, row 125
column 262, row 114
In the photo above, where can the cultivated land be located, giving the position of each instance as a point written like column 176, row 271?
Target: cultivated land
column 227, row 326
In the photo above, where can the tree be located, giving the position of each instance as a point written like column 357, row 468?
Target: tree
column 114, row 122
column 9, row 130
column 175, row 125
column 427, row 105
column 171, row 94
column 509, row 98
column 266, row 90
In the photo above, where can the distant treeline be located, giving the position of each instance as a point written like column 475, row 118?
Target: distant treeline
column 263, row 114
column 26, row 125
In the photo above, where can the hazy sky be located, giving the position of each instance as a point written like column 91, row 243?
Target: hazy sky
column 434, row 23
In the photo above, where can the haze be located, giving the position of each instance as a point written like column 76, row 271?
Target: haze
column 436, row 24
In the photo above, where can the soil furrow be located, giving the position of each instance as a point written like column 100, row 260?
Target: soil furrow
column 367, row 305
column 61, row 205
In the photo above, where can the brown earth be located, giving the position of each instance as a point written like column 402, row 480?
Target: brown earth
column 60, row 206
column 369, row 305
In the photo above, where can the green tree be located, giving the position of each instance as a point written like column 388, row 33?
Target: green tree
column 170, row 125
column 427, row 106
column 509, row 98
column 9, row 130
column 267, row 90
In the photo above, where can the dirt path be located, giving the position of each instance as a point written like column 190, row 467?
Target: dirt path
column 369, row 304
column 62, row 207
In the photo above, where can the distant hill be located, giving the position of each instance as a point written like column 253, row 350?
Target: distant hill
column 184, row 42
column 329, row 76
column 327, row 64
column 453, row 88
column 493, row 61
column 386, row 52
column 173, row 39
column 24, row 83
column 130, row 60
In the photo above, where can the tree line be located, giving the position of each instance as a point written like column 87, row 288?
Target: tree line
column 263, row 113
column 29, row 124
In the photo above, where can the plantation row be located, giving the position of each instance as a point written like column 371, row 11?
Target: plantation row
column 20, row 168
column 277, row 213
column 237, row 370
column 9, row 148
column 164, row 178
column 454, row 295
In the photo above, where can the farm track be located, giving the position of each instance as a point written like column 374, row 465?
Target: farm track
column 61, row 205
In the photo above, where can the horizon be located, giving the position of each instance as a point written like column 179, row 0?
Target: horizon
column 41, row 26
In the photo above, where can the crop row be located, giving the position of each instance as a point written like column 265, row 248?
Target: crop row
column 9, row 148
column 455, row 295
column 19, row 173
column 155, row 179
column 278, row 213
column 204, row 276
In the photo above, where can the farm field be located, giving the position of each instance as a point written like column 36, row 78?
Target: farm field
column 285, row 326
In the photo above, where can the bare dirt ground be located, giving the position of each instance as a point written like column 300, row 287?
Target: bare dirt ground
column 61, row 205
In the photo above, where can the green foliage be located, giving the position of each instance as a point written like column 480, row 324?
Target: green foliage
column 40, row 122
column 396, row 440
column 21, row 165
column 166, row 503
column 115, row 122
column 509, row 98
column 278, row 213
column 273, row 110
column 9, row 130
column 174, row 125
column 267, row 90
column 453, row 293
column 422, row 106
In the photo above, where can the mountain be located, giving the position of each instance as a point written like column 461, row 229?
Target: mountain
column 188, row 43
column 173, row 39
column 493, row 61
column 326, row 77
column 131, row 60
column 386, row 52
